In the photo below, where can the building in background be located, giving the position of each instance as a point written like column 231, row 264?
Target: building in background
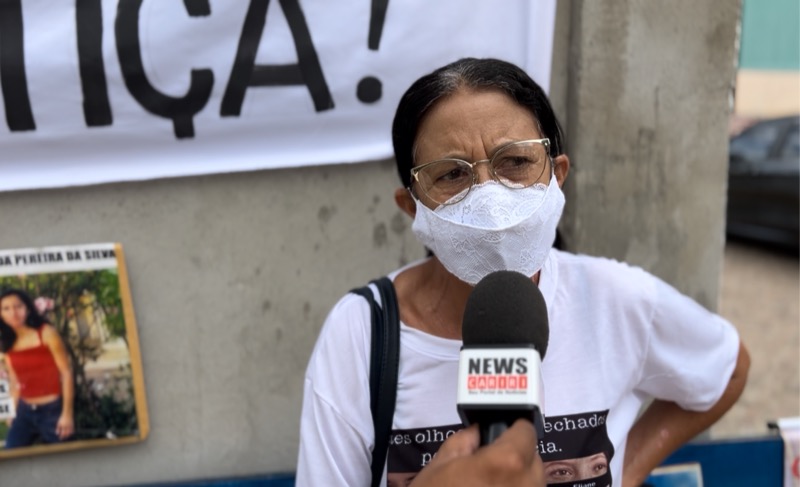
column 768, row 79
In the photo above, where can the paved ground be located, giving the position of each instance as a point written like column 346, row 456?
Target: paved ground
column 761, row 296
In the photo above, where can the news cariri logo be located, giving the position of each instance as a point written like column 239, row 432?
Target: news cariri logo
column 498, row 378
column 510, row 375
column 506, row 383
column 507, row 375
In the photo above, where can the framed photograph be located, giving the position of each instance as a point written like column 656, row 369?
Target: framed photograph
column 70, row 367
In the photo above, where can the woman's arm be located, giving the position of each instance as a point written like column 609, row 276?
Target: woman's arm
column 66, row 423
column 336, row 430
column 665, row 426
column 13, row 385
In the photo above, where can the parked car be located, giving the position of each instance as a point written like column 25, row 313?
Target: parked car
column 764, row 183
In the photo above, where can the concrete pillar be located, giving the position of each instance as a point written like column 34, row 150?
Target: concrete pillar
column 648, row 100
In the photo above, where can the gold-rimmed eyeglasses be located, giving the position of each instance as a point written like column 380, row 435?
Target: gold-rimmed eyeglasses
column 516, row 165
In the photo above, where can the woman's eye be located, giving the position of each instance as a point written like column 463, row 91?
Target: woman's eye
column 453, row 175
column 514, row 161
column 518, row 161
column 559, row 474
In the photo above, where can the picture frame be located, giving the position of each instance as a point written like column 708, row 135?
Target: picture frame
column 77, row 343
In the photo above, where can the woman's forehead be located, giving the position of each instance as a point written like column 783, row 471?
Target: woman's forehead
column 11, row 298
column 469, row 120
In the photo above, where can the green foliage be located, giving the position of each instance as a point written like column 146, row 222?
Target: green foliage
column 108, row 298
column 107, row 413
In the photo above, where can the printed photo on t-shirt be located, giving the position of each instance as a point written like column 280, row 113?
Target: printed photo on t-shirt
column 576, row 451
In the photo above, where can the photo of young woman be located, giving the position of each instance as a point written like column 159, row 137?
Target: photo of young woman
column 39, row 371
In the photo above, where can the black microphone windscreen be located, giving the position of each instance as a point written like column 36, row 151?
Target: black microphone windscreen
column 506, row 308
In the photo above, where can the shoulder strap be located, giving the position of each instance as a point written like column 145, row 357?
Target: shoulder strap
column 384, row 359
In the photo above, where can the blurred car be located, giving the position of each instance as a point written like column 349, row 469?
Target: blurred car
column 764, row 183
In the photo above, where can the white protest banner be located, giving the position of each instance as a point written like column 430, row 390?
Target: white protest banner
column 97, row 91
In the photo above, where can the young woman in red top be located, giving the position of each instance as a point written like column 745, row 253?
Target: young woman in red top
column 40, row 373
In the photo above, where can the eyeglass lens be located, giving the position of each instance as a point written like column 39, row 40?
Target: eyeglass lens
column 517, row 165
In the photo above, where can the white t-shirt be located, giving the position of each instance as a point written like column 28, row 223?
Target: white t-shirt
column 618, row 335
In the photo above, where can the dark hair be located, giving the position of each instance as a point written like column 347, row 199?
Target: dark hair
column 34, row 320
column 482, row 74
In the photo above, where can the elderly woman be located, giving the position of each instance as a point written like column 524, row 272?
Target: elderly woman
column 481, row 157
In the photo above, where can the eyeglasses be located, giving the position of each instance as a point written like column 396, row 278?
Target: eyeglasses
column 515, row 165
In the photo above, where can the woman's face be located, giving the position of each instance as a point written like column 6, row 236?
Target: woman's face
column 576, row 469
column 13, row 311
column 471, row 125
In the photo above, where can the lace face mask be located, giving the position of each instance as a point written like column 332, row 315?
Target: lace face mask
column 493, row 228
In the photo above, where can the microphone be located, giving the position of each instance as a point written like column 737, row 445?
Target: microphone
column 505, row 332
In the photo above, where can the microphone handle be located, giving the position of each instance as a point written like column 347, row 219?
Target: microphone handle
column 492, row 431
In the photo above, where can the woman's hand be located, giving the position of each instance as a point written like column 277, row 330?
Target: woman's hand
column 65, row 426
column 512, row 460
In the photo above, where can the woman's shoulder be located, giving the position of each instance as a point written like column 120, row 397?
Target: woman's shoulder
column 349, row 307
column 598, row 265
column 346, row 326
column 604, row 274
column 48, row 332
column 343, row 344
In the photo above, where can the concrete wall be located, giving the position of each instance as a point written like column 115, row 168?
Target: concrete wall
column 232, row 275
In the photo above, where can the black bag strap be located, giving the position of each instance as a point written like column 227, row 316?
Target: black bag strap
column 384, row 359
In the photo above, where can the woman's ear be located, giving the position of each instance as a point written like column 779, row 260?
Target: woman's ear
column 561, row 168
column 404, row 200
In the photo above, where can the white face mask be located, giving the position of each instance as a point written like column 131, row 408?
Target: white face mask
column 494, row 228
